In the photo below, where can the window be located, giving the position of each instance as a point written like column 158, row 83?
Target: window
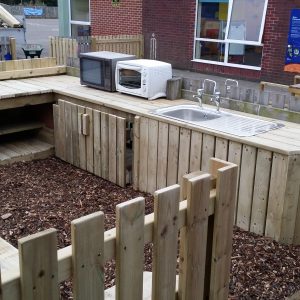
column 79, row 17
column 229, row 32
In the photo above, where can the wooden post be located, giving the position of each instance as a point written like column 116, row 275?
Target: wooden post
column 130, row 249
column 226, row 174
column 13, row 48
column 174, row 86
column 165, row 233
column 87, row 256
column 193, row 253
column 38, row 266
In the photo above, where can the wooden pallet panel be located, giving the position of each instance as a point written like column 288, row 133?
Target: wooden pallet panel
column 208, row 151
column 248, row 164
column 144, row 140
column 97, row 142
column 196, row 151
column 173, row 153
column 184, row 153
column 152, row 156
column 162, row 155
column 121, row 152
column 104, row 146
column 112, row 146
column 261, row 191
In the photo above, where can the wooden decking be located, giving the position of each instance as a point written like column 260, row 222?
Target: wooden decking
column 24, row 150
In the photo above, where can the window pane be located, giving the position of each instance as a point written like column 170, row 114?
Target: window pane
column 246, row 20
column 80, row 10
column 212, row 19
column 245, row 55
column 80, row 30
column 209, row 51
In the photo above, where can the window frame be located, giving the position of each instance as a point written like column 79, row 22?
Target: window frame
column 74, row 22
column 227, row 41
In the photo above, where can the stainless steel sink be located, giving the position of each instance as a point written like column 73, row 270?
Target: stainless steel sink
column 217, row 120
column 189, row 113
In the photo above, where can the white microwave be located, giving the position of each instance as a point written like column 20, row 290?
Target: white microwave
column 143, row 77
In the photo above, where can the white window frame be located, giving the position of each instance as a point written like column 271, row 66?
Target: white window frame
column 227, row 41
column 73, row 22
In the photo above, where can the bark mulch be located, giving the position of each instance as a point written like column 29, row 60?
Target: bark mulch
column 50, row 193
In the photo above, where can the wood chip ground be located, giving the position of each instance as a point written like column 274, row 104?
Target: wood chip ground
column 50, row 193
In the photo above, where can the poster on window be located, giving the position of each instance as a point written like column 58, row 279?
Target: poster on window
column 292, row 59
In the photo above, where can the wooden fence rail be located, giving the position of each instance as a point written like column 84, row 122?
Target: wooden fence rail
column 68, row 49
column 204, row 218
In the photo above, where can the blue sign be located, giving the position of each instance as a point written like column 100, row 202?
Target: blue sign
column 293, row 48
column 28, row 11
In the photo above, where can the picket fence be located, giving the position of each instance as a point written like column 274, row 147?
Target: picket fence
column 67, row 50
column 201, row 210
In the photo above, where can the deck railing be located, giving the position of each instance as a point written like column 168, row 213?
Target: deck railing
column 201, row 211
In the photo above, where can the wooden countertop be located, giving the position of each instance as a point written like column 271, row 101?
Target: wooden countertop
column 285, row 140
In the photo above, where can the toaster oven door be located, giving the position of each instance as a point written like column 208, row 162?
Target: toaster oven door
column 130, row 78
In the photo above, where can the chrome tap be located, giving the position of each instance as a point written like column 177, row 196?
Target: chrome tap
column 229, row 83
column 199, row 96
column 216, row 98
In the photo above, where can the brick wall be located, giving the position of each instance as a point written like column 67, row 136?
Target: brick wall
column 173, row 24
column 109, row 19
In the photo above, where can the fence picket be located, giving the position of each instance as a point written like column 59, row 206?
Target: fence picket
column 192, row 272
column 97, row 142
column 38, row 266
column 104, row 146
column 121, row 151
column 112, row 146
column 90, row 142
column 130, row 249
column 223, row 223
column 165, row 236
column 87, row 256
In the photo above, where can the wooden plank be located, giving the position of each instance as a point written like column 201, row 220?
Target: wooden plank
column 121, row 152
column 97, row 142
column 104, row 146
column 245, row 196
column 184, row 153
column 90, row 142
column 196, row 151
column 130, row 249
column 62, row 130
column 81, row 138
column 192, row 271
column 56, row 129
column 261, row 191
column 152, row 156
column 75, row 136
column 235, row 156
column 165, row 242
column 162, row 155
column 68, row 132
column 112, row 146
column 221, row 150
column 296, row 240
column 283, row 198
column 87, row 256
column 38, row 266
column 19, row 127
column 85, row 124
column 208, row 151
column 144, row 140
column 173, row 152
column 223, row 226
column 136, row 152
column 17, row 74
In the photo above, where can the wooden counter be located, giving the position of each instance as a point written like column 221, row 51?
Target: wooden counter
column 165, row 150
